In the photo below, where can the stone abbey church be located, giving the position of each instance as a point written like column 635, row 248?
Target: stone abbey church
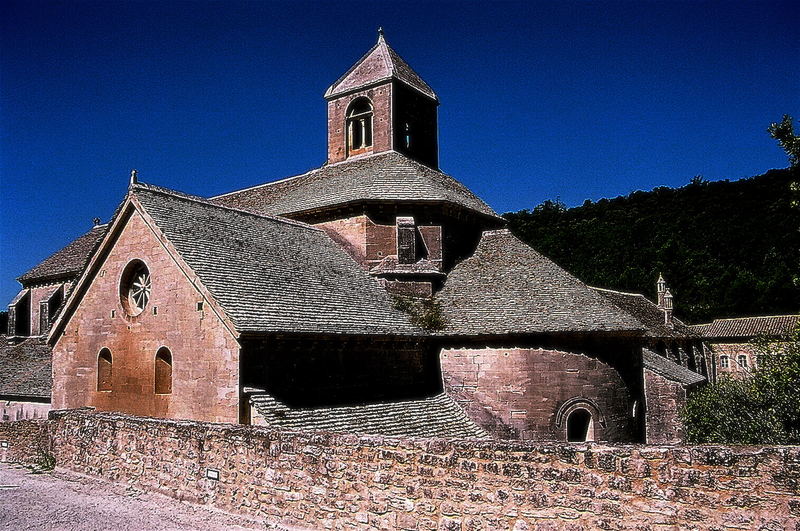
column 375, row 294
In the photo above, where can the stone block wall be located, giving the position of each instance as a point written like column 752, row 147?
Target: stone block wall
column 23, row 410
column 519, row 393
column 381, row 99
column 321, row 480
column 665, row 399
column 178, row 316
column 732, row 351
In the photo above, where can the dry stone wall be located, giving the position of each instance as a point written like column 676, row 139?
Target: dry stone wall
column 319, row 480
column 25, row 441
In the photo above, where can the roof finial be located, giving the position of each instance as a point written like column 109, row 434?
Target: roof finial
column 96, row 221
column 380, row 33
column 134, row 177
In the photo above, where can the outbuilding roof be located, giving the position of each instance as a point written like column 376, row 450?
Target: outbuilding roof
column 748, row 327
column 272, row 274
column 436, row 416
column 387, row 176
column 25, row 369
column 669, row 369
column 380, row 63
column 68, row 261
column 647, row 313
column 506, row 287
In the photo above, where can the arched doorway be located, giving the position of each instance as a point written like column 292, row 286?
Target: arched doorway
column 580, row 426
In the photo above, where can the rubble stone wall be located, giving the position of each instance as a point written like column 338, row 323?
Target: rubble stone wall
column 24, row 441
column 319, row 480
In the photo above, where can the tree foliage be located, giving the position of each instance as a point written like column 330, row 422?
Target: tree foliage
column 761, row 409
column 425, row 313
column 726, row 248
column 783, row 132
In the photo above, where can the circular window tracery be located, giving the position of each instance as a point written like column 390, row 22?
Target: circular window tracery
column 135, row 287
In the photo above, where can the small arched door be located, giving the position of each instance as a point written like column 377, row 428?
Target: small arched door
column 580, row 426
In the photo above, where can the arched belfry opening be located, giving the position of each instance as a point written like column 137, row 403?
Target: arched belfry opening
column 359, row 127
column 580, row 426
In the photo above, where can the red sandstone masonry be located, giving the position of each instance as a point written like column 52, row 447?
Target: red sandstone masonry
column 320, row 480
column 205, row 377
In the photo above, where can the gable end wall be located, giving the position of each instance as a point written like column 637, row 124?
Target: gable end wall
column 205, row 356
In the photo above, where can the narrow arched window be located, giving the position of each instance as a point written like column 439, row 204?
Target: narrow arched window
column 359, row 126
column 580, row 427
column 104, row 366
column 163, row 371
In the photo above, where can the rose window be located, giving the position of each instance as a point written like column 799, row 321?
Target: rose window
column 135, row 287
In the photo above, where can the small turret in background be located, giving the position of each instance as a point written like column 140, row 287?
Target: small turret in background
column 664, row 299
column 661, row 289
column 668, row 308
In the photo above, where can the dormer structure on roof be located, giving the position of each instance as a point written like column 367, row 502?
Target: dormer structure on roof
column 380, row 104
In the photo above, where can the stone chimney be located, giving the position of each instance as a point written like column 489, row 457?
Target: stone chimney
column 661, row 289
column 667, row 308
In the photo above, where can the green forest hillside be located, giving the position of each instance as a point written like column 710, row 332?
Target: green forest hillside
column 725, row 248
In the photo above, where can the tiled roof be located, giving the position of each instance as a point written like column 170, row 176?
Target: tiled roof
column 380, row 63
column 748, row 327
column 272, row 274
column 436, row 416
column 647, row 313
column 387, row 176
column 669, row 369
column 506, row 287
column 25, row 368
column 69, row 261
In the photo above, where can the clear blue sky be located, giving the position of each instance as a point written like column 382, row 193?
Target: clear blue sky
column 539, row 100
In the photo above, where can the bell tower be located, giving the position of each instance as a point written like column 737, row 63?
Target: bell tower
column 380, row 104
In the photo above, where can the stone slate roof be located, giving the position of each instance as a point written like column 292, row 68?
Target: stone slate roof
column 647, row 313
column 272, row 274
column 436, row 416
column 669, row 369
column 387, row 176
column 380, row 63
column 26, row 369
column 67, row 262
column 506, row 287
column 748, row 327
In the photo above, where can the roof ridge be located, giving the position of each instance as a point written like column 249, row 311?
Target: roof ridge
column 752, row 317
column 262, row 185
column 309, row 172
column 206, row 202
column 620, row 292
column 352, row 67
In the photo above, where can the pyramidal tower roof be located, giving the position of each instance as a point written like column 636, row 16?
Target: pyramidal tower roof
column 380, row 63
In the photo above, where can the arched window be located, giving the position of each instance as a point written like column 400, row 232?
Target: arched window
column 742, row 361
column 723, row 362
column 163, row 372
column 104, row 365
column 359, row 126
column 580, row 427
